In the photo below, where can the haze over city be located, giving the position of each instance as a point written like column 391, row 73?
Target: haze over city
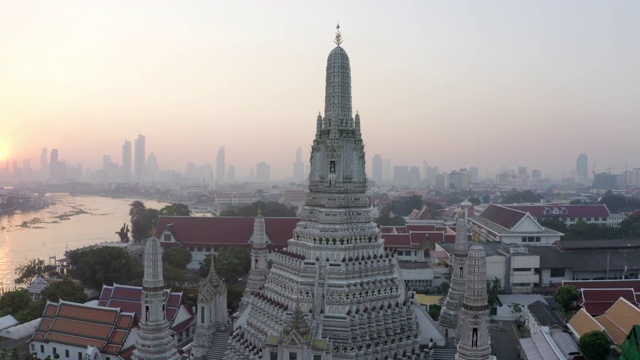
column 489, row 84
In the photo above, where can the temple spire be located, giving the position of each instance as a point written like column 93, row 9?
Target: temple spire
column 338, row 39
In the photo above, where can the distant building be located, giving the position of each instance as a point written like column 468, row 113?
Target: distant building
column 376, row 165
column 220, row 167
column 459, row 179
column 263, row 172
column 568, row 214
column 126, row 161
column 582, row 169
column 298, row 166
column 139, row 158
column 605, row 181
column 401, row 175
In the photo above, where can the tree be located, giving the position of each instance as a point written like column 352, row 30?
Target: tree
column 66, row 290
column 175, row 209
column 29, row 270
column 143, row 220
column 105, row 265
column 486, row 198
column 231, row 264
column 444, row 287
column 177, row 257
column 493, row 286
column 594, row 345
column 474, row 200
column 15, row 301
column 565, row 296
column 516, row 197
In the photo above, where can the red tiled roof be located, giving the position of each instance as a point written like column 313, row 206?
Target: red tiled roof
column 605, row 284
column 82, row 325
column 503, row 216
column 223, row 231
column 597, row 301
column 547, row 210
column 421, row 227
column 397, row 240
column 128, row 299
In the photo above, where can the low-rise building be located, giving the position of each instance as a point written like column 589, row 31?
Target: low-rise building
column 510, row 226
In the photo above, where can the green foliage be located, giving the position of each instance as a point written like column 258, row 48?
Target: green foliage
column 230, row 263
column 234, row 295
column 66, row 290
column 619, row 203
column 105, row 265
column 268, row 209
column 29, row 270
column 629, row 229
column 486, row 198
column 33, row 311
column 175, row 209
column 15, row 301
column 517, row 197
column 389, row 219
column 434, row 311
column 143, row 221
column 177, row 257
column 493, row 287
column 475, row 200
column 556, row 225
column 565, row 296
column 444, row 287
column 594, row 345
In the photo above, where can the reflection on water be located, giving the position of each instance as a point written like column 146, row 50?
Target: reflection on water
column 71, row 222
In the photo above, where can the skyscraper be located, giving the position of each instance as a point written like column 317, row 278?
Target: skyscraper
column 298, row 166
column 335, row 291
column 126, row 160
column 140, row 157
column 44, row 164
column 376, row 165
column 263, row 172
column 582, row 168
column 220, row 167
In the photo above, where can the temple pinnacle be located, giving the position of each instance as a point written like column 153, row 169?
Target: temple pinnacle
column 338, row 39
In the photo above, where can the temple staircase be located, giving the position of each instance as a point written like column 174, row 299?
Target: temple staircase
column 218, row 345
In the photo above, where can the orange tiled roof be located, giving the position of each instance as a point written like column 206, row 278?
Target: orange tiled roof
column 83, row 325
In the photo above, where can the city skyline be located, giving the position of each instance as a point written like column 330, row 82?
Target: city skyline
column 449, row 77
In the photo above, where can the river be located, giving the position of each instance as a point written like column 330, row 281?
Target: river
column 69, row 223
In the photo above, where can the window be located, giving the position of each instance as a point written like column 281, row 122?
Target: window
column 55, row 351
column 42, row 349
column 557, row 272
column 66, row 353
column 537, row 238
column 79, row 355
column 33, row 347
column 317, row 357
column 572, row 219
column 521, row 269
column 293, row 356
column 274, row 355
column 167, row 237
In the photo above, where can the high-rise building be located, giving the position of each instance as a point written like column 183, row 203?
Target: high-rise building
column 582, row 168
column 44, row 164
column 335, row 292
column 55, row 166
column 401, row 175
column 386, row 169
column 220, row 167
column 231, row 174
column 126, row 161
column 376, row 165
column 263, row 172
column 474, row 174
column 414, row 176
column 140, row 157
column 298, row 166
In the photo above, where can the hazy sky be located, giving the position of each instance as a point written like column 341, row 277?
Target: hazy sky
column 456, row 83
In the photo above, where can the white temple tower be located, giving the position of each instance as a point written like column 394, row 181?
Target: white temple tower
column 474, row 315
column 450, row 311
column 335, row 268
column 212, row 311
column 154, row 338
column 258, row 272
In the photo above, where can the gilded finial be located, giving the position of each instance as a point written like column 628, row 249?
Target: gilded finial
column 338, row 39
column 259, row 209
